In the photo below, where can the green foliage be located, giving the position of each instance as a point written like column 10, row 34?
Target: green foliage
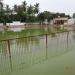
column 36, row 8
column 49, row 16
column 73, row 15
column 26, row 13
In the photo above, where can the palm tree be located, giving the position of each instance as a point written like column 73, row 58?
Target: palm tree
column 30, row 13
column 7, row 10
column 36, row 8
column 2, row 12
column 15, row 8
column 1, row 6
column 24, row 5
column 30, row 10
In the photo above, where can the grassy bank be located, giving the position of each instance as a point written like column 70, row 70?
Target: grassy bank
column 28, row 32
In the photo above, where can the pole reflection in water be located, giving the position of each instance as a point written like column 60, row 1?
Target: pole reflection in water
column 46, row 47
column 10, row 59
column 67, row 40
column 24, row 52
column 5, row 59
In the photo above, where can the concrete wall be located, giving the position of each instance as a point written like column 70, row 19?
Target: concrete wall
column 15, row 26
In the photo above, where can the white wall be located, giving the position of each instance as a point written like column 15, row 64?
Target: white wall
column 71, row 21
column 16, row 26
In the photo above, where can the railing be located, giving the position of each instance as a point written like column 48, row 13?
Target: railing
column 21, row 53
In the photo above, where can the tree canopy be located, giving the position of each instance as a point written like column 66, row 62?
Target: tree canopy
column 26, row 13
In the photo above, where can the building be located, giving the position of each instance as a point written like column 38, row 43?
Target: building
column 60, row 21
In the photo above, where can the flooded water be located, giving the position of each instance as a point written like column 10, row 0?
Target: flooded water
column 19, row 54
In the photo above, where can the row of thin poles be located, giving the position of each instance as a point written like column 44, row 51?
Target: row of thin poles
column 21, row 53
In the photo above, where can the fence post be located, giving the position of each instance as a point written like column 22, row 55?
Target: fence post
column 46, row 47
column 10, row 60
column 67, row 39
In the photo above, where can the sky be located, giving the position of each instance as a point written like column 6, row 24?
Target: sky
column 62, row 6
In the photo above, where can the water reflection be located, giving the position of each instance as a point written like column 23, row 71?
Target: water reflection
column 28, row 40
column 28, row 51
column 53, row 35
column 3, row 47
column 74, row 34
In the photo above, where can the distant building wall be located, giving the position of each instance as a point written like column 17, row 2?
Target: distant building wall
column 15, row 26
column 60, row 20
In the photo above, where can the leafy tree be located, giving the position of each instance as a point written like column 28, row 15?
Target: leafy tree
column 41, row 17
column 45, row 15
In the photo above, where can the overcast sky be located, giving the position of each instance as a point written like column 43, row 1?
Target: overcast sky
column 66, row 6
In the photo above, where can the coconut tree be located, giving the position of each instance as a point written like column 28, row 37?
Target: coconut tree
column 30, row 10
column 36, row 8
column 1, row 6
column 15, row 8
column 1, row 12
column 30, row 13
column 24, row 6
column 8, row 13
column 7, row 10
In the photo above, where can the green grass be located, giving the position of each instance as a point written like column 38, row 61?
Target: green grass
column 27, row 32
